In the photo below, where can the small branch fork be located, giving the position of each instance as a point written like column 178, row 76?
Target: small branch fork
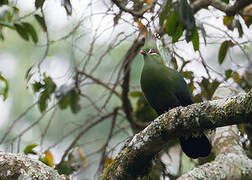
column 136, row 13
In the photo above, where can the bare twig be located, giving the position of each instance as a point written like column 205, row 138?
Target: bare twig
column 83, row 132
column 47, row 127
column 99, row 82
column 134, row 13
column 130, row 55
column 104, row 147
column 15, row 121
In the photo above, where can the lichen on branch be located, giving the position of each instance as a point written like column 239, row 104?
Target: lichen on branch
column 134, row 159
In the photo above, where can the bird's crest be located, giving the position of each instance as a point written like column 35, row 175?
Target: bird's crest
column 150, row 42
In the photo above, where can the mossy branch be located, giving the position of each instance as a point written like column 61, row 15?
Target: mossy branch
column 231, row 161
column 135, row 158
column 19, row 166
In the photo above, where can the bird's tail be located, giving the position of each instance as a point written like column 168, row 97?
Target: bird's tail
column 195, row 146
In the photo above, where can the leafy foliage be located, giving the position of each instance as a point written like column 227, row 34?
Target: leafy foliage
column 144, row 113
column 26, row 30
column 208, row 88
column 67, row 167
column 187, row 19
column 46, row 89
column 70, row 99
column 195, row 40
column 41, row 21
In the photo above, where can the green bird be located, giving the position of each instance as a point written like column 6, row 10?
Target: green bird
column 164, row 88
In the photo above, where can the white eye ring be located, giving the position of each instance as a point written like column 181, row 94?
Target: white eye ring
column 152, row 52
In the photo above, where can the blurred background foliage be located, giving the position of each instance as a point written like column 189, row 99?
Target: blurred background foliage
column 62, row 72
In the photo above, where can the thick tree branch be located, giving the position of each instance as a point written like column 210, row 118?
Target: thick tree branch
column 231, row 161
column 18, row 166
column 135, row 159
column 218, row 4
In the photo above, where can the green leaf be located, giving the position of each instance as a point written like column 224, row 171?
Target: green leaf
column 225, row 1
column 69, row 166
column 172, row 23
column 74, row 101
column 29, row 149
column 39, row 3
column 44, row 160
column 4, row 93
column 64, row 101
column 28, row 75
column 22, row 31
column 2, row 2
column 187, row 75
column 42, row 102
column 187, row 19
column 68, row 6
column 228, row 73
column 29, row 28
column 135, row 94
column 239, row 28
column 144, row 112
column 208, row 88
column 37, row 86
column 195, row 40
column 223, row 50
column 65, row 168
column 41, row 22
column 236, row 77
column 50, row 86
column 178, row 33
column 164, row 12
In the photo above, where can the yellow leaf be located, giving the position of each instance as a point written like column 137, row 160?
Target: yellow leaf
column 82, row 155
column 49, row 158
column 236, row 77
column 142, row 27
column 108, row 161
column 148, row 1
column 227, row 20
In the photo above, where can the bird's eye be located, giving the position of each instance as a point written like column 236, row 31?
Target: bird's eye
column 152, row 51
column 143, row 52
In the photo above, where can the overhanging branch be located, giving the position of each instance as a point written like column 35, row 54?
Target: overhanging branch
column 135, row 158
column 218, row 4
